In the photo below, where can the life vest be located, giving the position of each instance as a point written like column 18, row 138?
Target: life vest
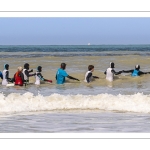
column 18, row 79
column 135, row 73
column 109, row 74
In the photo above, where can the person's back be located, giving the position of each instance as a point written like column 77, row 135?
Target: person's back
column 19, row 77
column 109, row 74
column 61, row 74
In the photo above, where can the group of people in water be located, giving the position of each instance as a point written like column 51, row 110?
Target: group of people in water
column 21, row 77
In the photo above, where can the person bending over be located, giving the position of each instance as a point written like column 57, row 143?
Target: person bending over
column 88, row 76
column 61, row 74
column 110, row 72
column 39, row 76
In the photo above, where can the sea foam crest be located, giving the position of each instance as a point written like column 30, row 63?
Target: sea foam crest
column 27, row 102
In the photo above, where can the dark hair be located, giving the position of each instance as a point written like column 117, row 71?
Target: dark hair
column 6, row 66
column 112, row 65
column 26, row 66
column 39, row 68
column 63, row 66
column 90, row 67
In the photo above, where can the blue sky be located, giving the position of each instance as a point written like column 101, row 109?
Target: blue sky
column 74, row 31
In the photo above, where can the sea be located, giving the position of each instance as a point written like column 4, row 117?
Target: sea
column 121, row 106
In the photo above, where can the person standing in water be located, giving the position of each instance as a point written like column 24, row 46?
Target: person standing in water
column 110, row 72
column 88, row 75
column 135, row 72
column 61, row 74
column 19, row 77
column 26, row 73
column 39, row 76
column 5, row 73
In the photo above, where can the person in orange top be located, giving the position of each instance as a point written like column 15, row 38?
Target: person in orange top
column 19, row 77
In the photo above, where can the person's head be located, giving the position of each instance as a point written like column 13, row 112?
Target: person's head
column 91, row 68
column 63, row 66
column 39, row 69
column 26, row 66
column 6, row 66
column 137, row 67
column 112, row 65
column 20, row 69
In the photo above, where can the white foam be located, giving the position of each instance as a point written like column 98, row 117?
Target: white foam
column 27, row 102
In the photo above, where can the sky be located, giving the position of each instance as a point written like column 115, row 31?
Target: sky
column 74, row 31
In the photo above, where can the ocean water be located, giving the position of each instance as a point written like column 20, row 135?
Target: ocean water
column 101, row 106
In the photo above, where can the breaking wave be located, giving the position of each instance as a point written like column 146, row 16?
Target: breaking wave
column 28, row 102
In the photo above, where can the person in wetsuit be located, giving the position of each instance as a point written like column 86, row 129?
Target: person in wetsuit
column 88, row 76
column 135, row 72
column 5, row 74
column 110, row 72
column 39, row 76
column 61, row 74
column 26, row 73
column 19, row 77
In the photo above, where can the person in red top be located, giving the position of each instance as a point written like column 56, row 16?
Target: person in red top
column 19, row 77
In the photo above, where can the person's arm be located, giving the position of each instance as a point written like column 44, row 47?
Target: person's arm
column 70, row 77
column 30, row 70
column 95, row 77
column 127, row 71
column 140, row 72
column 27, row 73
column 116, row 73
column 41, row 78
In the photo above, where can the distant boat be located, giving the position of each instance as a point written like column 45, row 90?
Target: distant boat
column 89, row 43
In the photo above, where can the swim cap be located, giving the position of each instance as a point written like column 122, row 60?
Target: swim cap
column 112, row 65
column 6, row 66
column 26, row 66
column 63, row 66
column 137, row 67
column 20, row 68
column 39, row 68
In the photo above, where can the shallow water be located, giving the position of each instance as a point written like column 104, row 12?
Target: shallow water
column 101, row 106
column 76, row 122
